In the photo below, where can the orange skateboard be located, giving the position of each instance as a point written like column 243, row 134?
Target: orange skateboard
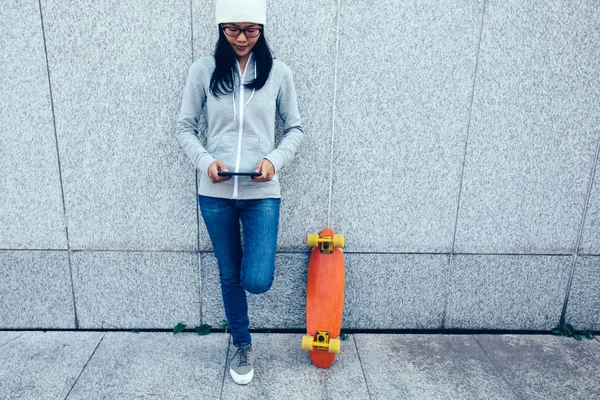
column 324, row 297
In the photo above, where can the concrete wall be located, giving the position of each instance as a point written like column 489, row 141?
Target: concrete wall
column 454, row 143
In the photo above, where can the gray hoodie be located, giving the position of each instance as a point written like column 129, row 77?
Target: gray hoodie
column 241, row 128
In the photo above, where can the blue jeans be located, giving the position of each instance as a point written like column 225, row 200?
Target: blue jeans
column 252, row 269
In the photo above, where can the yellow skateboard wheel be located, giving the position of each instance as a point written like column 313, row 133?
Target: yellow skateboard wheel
column 312, row 239
column 307, row 342
column 334, row 346
column 338, row 241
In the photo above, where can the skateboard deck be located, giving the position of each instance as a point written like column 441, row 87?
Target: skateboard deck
column 324, row 297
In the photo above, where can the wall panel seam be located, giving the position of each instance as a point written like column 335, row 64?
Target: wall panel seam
column 333, row 111
column 462, row 171
column 195, row 171
column 563, row 315
column 62, row 191
column 199, row 256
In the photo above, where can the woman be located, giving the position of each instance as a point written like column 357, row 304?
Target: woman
column 242, row 87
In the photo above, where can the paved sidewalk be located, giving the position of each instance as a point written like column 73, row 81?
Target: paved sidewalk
column 127, row 365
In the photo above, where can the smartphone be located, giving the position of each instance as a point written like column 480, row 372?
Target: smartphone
column 222, row 173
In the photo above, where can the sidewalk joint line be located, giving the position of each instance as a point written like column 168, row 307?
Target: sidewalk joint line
column 15, row 338
column 85, row 366
column 361, row 367
column 496, row 368
column 225, row 368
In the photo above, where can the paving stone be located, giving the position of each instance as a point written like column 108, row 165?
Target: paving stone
column 284, row 371
column 546, row 367
column 429, row 367
column 44, row 365
column 155, row 365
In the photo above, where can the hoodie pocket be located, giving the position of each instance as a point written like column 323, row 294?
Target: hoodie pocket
column 227, row 149
column 250, row 155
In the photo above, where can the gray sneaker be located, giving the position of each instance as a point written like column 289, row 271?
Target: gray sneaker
column 241, row 366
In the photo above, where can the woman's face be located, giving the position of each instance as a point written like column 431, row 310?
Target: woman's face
column 243, row 43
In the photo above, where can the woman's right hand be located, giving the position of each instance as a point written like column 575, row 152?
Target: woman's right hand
column 213, row 172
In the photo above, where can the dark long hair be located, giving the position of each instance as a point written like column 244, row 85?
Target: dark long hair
column 222, row 80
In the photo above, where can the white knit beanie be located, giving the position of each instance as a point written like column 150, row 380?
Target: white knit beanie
column 241, row 11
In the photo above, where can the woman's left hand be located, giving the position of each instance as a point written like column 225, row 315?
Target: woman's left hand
column 266, row 167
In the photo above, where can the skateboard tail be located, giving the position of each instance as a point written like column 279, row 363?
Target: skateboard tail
column 321, row 359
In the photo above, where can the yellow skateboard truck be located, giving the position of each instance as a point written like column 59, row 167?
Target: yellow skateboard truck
column 325, row 243
column 322, row 342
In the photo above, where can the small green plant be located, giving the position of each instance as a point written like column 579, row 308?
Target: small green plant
column 136, row 330
column 569, row 331
column 178, row 328
column 203, row 329
column 224, row 325
column 344, row 336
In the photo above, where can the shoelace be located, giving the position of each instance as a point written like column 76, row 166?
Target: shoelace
column 243, row 355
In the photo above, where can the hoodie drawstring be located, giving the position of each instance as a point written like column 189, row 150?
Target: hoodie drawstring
column 242, row 88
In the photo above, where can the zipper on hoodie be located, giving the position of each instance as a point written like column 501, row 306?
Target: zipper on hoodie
column 240, row 135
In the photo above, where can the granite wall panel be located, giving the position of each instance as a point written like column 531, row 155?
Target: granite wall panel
column 395, row 291
column 583, row 308
column 534, row 128
column 35, row 290
column 404, row 82
column 117, row 70
column 283, row 306
column 136, row 289
column 381, row 292
column 31, row 209
column 514, row 292
column 590, row 238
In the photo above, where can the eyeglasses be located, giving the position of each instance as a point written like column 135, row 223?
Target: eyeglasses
column 235, row 31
